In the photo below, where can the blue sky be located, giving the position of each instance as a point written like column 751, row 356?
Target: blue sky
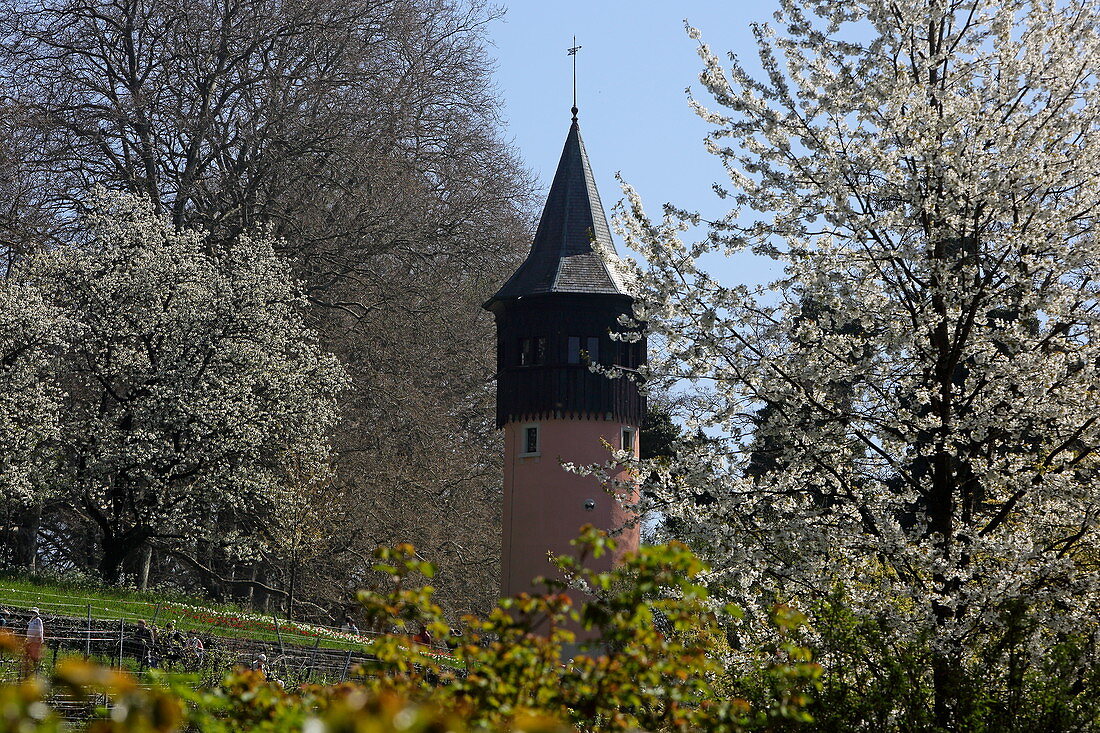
column 634, row 65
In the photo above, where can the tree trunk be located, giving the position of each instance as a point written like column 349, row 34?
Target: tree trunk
column 110, row 565
column 143, row 572
column 7, row 536
column 25, row 550
column 290, row 594
column 204, row 553
column 953, row 705
column 90, row 546
column 264, row 596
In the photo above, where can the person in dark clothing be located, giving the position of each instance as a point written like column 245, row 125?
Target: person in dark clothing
column 349, row 627
column 145, row 642
column 173, row 642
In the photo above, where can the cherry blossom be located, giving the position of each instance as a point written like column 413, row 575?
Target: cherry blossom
column 911, row 413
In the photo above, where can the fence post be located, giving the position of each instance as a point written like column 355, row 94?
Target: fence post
column 88, row 638
column 156, row 613
column 313, row 660
column 121, row 636
column 344, row 672
column 278, row 635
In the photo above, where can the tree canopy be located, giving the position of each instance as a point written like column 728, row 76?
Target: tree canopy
column 910, row 412
column 365, row 136
column 188, row 378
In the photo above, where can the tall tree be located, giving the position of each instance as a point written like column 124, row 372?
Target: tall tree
column 924, row 380
column 189, row 376
column 31, row 335
column 366, row 134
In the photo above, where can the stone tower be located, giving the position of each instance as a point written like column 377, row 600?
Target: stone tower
column 554, row 317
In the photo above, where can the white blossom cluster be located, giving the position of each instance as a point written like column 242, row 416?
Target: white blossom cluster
column 30, row 336
column 912, row 413
column 185, row 376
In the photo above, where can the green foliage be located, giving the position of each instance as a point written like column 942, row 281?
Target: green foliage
column 643, row 642
column 659, row 434
column 628, row 674
column 873, row 681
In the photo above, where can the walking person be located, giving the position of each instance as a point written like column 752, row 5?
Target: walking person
column 34, row 643
column 195, row 648
column 423, row 636
column 349, row 627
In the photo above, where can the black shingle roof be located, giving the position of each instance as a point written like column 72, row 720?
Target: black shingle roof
column 572, row 251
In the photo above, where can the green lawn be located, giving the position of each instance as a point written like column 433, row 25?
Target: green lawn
column 78, row 600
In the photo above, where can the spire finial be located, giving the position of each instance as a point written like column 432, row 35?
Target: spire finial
column 573, row 52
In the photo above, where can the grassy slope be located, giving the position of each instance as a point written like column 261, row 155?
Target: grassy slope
column 72, row 599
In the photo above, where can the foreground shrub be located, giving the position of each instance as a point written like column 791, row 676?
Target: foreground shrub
column 646, row 662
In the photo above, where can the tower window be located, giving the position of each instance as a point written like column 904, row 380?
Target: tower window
column 529, row 440
column 629, row 354
column 628, row 436
column 626, row 354
column 593, row 350
column 573, row 352
column 532, row 351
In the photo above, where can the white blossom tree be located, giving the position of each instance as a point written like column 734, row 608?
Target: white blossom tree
column 368, row 134
column 911, row 414
column 30, row 338
column 189, row 376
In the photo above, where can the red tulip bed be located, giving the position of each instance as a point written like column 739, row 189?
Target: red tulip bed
column 254, row 624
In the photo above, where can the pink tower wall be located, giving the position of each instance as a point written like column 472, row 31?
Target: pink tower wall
column 544, row 503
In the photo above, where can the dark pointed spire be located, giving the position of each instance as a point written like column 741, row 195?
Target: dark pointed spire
column 572, row 251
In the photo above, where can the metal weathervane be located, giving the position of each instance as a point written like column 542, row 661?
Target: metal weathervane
column 573, row 52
